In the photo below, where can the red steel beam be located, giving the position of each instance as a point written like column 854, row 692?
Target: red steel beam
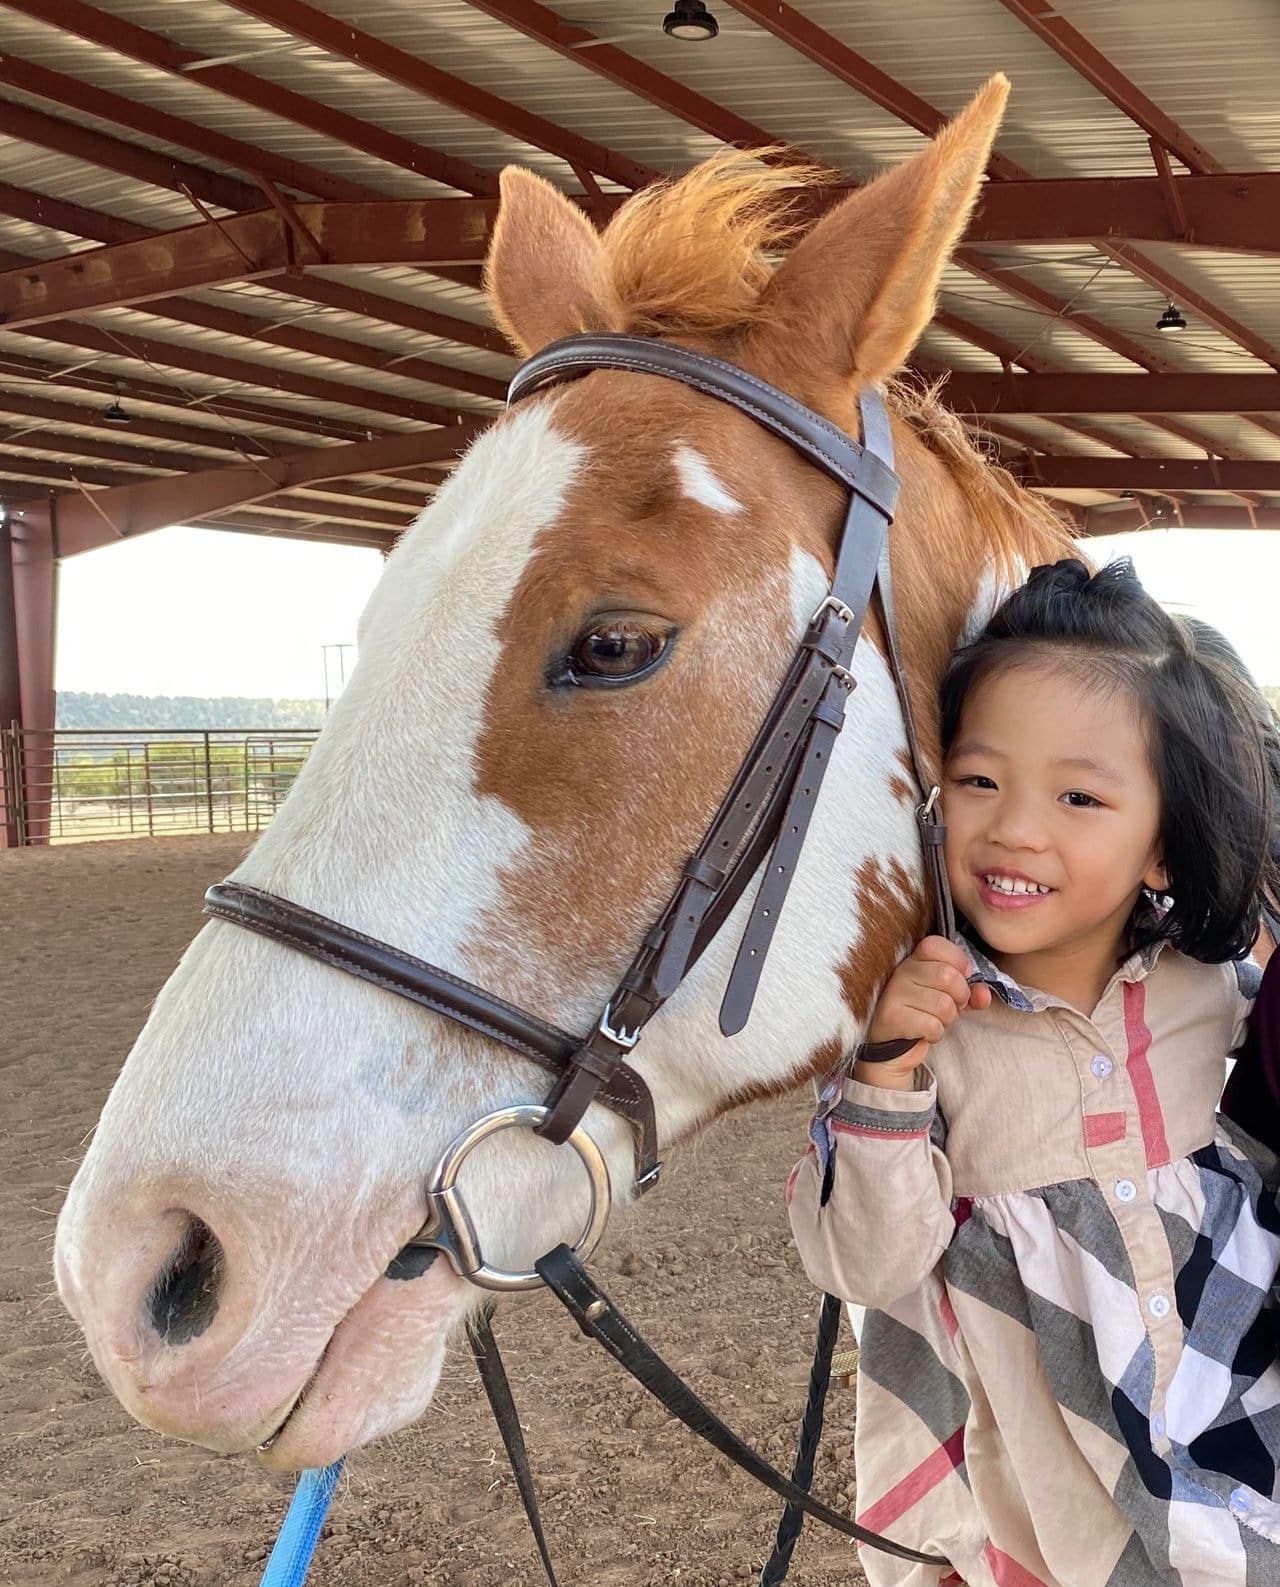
column 154, row 460
column 28, row 624
column 48, row 376
column 99, row 226
column 1133, row 394
column 1069, row 43
column 245, row 247
column 160, row 126
column 51, row 412
column 261, row 244
column 1197, row 515
column 348, row 43
column 542, row 25
column 321, row 531
column 1152, row 473
column 78, row 221
column 115, row 33
column 85, row 521
column 157, row 353
column 836, row 57
column 22, row 477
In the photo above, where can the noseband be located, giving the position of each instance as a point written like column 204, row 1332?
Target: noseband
column 765, row 816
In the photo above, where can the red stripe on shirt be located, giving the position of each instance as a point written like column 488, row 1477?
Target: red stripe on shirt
column 1101, row 1129
column 913, row 1487
column 1007, row 1572
column 949, row 1319
column 1137, row 1034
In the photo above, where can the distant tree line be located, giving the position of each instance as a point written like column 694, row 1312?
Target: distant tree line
column 141, row 712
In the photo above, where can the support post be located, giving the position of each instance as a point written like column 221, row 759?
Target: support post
column 28, row 606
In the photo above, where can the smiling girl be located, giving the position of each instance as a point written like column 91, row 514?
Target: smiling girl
column 1070, row 1377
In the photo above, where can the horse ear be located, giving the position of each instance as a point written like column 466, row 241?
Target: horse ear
column 857, row 291
column 544, row 274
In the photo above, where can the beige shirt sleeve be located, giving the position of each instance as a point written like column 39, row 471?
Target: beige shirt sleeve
column 888, row 1219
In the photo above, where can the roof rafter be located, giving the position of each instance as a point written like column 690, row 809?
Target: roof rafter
column 1069, row 43
column 831, row 53
column 154, row 351
column 115, row 33
column 1187, row 392
column 84, row 521
column 348, row 43
column 144, row 165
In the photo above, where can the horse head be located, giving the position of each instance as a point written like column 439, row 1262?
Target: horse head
column 559, row 672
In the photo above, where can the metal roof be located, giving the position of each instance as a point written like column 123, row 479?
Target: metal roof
column 127, row 117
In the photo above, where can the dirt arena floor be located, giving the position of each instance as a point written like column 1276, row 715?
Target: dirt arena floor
column 88, row 1499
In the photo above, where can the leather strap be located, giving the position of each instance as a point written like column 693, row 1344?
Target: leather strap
column 497, row 1388
column 792, row 1519
column 817, row 438
column 600, row 1319
column 393, row 970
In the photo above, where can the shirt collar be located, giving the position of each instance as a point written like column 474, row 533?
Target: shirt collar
column 1027, row 1000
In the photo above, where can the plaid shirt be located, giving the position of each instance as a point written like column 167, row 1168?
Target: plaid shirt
column 1068, row 1370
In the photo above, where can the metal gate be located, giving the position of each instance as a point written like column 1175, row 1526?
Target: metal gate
column 80, row 783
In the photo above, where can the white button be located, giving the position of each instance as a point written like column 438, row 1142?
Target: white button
column 1157, row 1426
column 1240, row 1501
column 1102, row 1066
column 1126, row 1190
column 1158, row 1305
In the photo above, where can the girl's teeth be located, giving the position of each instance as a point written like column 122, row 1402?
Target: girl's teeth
column 1011, row 884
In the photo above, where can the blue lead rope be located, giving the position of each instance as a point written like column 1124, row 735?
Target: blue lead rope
column 291, row 1557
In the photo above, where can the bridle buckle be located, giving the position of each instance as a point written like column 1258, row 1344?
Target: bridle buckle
column 622, row 1037
column 832, row 603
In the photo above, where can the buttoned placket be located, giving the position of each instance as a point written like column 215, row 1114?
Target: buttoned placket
column 1119, row 1167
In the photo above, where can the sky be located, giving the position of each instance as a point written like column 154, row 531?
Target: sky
column 206, row 612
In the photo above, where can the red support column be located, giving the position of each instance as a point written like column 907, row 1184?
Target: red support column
column 28, row 605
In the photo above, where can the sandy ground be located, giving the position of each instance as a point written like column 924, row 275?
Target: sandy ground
column 87, row 1498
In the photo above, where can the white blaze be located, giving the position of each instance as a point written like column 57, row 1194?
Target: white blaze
column 699, row 481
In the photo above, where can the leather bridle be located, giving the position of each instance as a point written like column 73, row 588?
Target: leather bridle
column 765, row 815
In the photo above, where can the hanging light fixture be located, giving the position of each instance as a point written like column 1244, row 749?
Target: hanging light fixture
column 691, row 21
column 113, row 413
column 1172, row 320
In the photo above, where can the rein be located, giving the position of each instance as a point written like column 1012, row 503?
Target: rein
column 764, row 816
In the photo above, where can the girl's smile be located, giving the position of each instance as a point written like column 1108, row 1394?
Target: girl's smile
column 1053, row 820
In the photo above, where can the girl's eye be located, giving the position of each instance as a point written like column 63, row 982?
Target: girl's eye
column 620, row 650
column 1082, row 801
column 973, row 780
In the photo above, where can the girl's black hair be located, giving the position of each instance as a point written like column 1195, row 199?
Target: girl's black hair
column 1215, row 748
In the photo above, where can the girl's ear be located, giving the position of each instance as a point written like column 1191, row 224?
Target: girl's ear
column 855, row 294
column 1157, row 878
column 544, row 274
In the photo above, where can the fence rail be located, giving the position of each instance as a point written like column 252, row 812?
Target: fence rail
column 79, row 783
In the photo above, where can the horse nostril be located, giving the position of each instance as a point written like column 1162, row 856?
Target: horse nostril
column 184, row 1297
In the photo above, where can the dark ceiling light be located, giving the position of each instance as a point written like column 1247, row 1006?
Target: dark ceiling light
column 113, row 413
column 1172, row 319
column 690, row 20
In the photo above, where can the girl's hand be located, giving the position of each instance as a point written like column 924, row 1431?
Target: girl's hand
column 923, row 997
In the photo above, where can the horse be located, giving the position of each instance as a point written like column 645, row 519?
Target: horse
column 559, row 672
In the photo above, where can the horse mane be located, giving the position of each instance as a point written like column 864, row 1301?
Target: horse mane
column 692, row 257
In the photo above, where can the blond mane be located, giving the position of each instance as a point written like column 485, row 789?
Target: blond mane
column 693, row 256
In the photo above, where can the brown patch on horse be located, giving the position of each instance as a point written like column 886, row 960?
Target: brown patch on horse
column 902, row 790
column 618, row 784
column 891, row 911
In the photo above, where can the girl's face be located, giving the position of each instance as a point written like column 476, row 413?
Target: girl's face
column 1053, row 819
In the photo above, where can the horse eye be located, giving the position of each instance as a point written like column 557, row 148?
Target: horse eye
column 618, row 651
